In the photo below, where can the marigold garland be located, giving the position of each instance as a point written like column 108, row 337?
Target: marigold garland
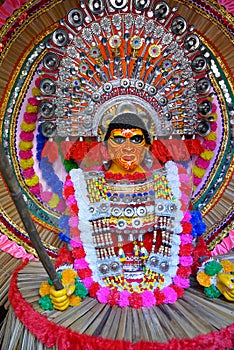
column 206, row 275
column 76, row 290
column 228, row 266
column 203, row 160
column 28, row 127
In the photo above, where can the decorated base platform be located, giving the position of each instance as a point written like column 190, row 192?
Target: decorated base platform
column 193, row 322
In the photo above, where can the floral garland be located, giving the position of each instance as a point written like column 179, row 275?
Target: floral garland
column 52, row 334
column 76, row 291
column 209, row 144
column 147, row 298
column 28, row 127
column 207, row 273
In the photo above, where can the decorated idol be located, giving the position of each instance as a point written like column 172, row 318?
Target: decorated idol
column 126, row 97
column 130, row 236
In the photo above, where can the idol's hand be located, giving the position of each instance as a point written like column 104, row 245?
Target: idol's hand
column 225, row 284
column 59, row 298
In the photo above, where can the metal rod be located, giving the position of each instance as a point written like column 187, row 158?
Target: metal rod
column 17, row 196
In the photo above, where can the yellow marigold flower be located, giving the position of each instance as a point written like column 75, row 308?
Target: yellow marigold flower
column 31, row 108
column 228, row 266
column 33, row 181
column 44, row 289
column 26, row 163
column 25, row 145
column 214, row 115
column 212, row 136
column 36, row 91
column 198, row 171
column 203, row 279
column 53, row 202
column 68, row 276
column 207, row 155
column 74, row 300
column 27, row 127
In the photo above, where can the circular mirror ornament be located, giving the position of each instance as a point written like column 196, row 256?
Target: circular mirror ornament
column 75, row 17
column 48, row 129
column 47, row 86
column 164, row 266
column 104, row 269
column 46, row 109
column 178, row 25
column 118, row 4
column 204, row 108
column 203, row 127
column 97, row 6
column 141, row 5
column 203, row 86
column 199, row 64
column 51, row 61
column 191, row 42
column 60, row 37
column 153, row 261
column 161, row 10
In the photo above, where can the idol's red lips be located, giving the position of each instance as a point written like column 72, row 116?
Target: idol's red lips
column 129, row 158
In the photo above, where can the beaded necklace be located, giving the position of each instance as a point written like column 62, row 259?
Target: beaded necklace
column 125, row 207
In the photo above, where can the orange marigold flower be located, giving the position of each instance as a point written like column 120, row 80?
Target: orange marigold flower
column 74, row 300
column 203, row 279
column 44, row 289
column 68, row 276
column 228, row 266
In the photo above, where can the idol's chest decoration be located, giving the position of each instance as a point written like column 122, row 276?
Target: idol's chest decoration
column 130, row 229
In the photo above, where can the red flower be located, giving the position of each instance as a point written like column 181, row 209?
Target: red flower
column 64, row 256
column 186, row 250
column 74, row 231
column 69, row 190
column 159, row 296
column 184, row 271
column 113, row 297
column 84, row 273
column 179, row 291
column 160, row 151
column 78, row 150
column 74, row 209
column 135, row 300
column 187, row 227
column 78, row 253
column 194, row 146
column 94, row 288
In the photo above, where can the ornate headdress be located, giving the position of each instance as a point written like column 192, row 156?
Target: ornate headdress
column 106, row 53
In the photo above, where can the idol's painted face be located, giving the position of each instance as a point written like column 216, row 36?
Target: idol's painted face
column 127, row 148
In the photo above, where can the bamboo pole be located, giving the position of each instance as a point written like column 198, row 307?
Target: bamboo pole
column 17, row 196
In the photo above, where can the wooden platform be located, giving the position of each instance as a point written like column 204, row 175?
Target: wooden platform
column 190, row 316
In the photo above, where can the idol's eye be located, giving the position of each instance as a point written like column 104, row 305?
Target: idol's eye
column 137, row 139
column 119, row 139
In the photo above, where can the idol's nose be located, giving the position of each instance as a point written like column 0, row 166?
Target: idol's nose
column 128, row 145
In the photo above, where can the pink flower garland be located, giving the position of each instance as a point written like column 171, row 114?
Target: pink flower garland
column 201, row 163
column 146, row 298
column 26, row 155
column 52, row 334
